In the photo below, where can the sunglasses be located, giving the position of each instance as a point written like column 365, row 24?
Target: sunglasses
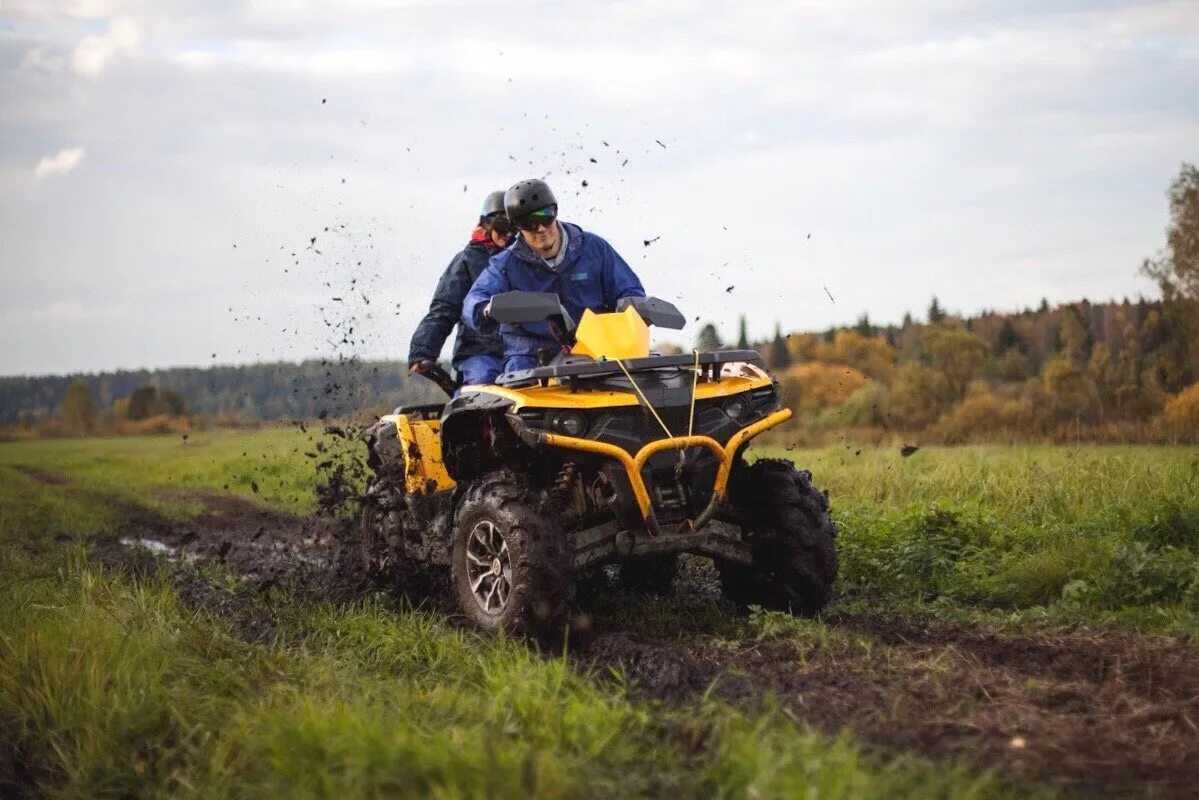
column 541, row 218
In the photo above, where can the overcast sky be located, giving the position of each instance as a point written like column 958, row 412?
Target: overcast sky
column 163, row 161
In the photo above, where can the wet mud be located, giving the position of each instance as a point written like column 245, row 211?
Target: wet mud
column 1095, row 712
column 1102, row 713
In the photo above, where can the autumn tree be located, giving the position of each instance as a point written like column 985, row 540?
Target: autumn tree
column 78, row 409
column 150, row 401
column 1013, row 365
column 1176, row 270
column 919, row 395
column 141, row 402
column 957, row 354
column 871, row 355
column 1072, row 391
column 1073, row 336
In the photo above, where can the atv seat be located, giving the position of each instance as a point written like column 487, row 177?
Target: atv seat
column 425, row 411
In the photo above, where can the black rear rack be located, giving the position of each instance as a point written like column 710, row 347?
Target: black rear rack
column 426, row 411
column 597, row 369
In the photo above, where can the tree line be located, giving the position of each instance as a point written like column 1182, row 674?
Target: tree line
column 222, row 394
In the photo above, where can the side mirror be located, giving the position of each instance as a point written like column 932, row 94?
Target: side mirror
column 658, row 313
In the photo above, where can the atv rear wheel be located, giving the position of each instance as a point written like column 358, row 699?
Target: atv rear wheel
column 364, row 555
column 791, row 535
column 511, row 566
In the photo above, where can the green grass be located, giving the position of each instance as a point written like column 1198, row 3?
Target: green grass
column 135, row 466
column 1066, row 534
column 110, row 687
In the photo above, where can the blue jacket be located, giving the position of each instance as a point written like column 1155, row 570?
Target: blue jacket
column 445, row 311
column 592, row 275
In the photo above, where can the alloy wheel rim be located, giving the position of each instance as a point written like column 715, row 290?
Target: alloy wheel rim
column 488, row 567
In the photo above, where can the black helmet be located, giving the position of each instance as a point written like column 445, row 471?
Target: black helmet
column 494, row 204
column 526, row 197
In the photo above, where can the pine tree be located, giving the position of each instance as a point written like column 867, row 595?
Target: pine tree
column 780, row 357
column 1008, row 338
column 864, row 327
column 742, row 335
column 935, row 312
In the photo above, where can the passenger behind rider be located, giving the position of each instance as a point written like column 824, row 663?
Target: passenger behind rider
column 477, row 356
column 550, row 256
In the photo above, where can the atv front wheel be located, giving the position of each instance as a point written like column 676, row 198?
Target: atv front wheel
column 511, row 566
column 791, row 535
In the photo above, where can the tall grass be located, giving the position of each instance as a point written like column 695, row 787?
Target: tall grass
column 1078, row 534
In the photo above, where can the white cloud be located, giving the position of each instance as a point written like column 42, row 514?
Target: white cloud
column 60, row 163
column 94, row 53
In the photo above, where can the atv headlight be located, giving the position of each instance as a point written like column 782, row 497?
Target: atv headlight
column 735, row 407
column 572, row 423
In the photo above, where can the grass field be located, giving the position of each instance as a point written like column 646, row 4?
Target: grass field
column 114, row 682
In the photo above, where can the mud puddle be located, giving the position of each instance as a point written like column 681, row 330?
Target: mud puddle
column 1098, row 712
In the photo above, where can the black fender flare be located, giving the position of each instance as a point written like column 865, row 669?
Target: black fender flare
column 474, row 430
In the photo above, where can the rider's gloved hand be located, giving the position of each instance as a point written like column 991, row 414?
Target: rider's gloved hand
column 420, row 367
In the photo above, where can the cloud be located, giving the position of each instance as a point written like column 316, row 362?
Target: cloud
column 60, row 163
column 94, row 53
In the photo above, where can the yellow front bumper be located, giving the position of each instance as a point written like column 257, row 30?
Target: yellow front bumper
column 634, row 464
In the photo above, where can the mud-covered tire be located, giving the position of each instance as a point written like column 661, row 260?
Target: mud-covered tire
column 538, row 563
column 652, row 575
column 786, row 523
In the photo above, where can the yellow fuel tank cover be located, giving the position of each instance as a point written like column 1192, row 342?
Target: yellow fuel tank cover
column 616, row 335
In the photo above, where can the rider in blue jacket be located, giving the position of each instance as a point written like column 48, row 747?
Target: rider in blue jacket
column 477, row 357
column 550, row 256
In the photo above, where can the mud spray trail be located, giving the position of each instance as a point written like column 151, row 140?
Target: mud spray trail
column 1101, row 712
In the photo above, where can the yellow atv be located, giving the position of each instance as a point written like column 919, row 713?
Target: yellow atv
column 606, row 454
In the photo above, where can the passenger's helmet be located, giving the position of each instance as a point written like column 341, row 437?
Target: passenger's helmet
column 526, row 197
column 494, row 204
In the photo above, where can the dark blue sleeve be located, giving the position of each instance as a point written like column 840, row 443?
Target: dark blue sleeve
column 619, row 278
column 492, row 281
column 444, row 312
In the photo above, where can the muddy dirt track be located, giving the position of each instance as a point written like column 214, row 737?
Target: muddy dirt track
column 1096, row 712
